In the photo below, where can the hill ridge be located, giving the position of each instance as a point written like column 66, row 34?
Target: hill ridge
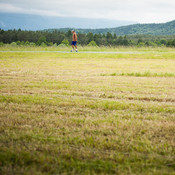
column 167, row 28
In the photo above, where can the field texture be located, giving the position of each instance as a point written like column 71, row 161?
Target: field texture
column 80, row 113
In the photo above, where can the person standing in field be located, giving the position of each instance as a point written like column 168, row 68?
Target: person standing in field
column 74, row 41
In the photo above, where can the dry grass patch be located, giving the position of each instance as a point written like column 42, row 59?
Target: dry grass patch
column 59, row 115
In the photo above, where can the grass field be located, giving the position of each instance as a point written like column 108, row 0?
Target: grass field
column 85, row 113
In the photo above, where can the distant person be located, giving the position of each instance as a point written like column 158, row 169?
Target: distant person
column 74, row 41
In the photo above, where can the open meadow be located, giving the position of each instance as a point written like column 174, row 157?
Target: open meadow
column 87, row 113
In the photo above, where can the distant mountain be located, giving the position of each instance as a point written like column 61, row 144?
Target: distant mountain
column 36, row 22
column 83, row 25
column 140, row 29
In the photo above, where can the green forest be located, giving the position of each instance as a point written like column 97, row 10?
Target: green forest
column 63, row 38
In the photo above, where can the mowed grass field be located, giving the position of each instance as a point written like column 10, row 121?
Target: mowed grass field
column 87, row 113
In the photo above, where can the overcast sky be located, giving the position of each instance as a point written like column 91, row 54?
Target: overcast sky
column 142, row 11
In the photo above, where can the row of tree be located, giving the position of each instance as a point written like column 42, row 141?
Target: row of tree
column 58, row 37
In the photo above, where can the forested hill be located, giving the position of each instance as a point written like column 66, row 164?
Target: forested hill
column 150, row 29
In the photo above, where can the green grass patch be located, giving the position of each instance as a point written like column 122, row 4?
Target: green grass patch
column 142, row 74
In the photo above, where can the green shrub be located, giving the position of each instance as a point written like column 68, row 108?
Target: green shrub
column 22, row 43
column 27, row 43
column 62, row 45
column 1, row 43
column 55, row 45
column 141, row 44
column 50, row 44
column 92, row 43
column 18, row 43
column 65, row 42
column 41, row 40
column 32, row 44
column 43, row 44
column 13, row 44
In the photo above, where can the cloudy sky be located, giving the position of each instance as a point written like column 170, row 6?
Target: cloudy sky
column 142, row 11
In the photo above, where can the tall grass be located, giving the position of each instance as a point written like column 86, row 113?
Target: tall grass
column 8, row 47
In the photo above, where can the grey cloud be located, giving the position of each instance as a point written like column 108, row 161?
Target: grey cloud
column 138, row 10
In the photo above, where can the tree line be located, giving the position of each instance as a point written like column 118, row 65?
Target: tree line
column 55, row 37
